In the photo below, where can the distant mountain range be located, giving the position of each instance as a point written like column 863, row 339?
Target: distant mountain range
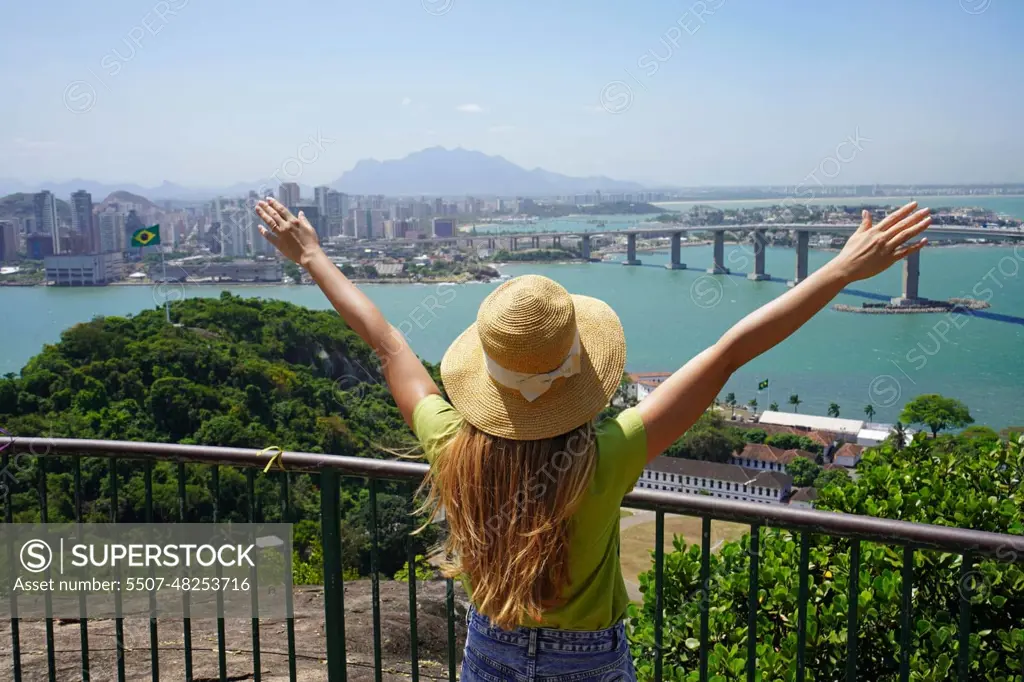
column 448, row 172
column 431, row 172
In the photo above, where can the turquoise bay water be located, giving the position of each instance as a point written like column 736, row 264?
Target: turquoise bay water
column 669, row 316
column 1012, row 206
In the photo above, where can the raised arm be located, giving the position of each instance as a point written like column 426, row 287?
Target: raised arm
column 294, row 237
column 677, row 403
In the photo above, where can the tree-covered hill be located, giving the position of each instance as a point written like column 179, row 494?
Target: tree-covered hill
column 230, row 371
column 233, row 372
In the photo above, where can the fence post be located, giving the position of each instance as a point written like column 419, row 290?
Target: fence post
column 334, row 586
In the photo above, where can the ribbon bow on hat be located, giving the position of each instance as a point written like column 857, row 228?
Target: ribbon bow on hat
column 533, row 386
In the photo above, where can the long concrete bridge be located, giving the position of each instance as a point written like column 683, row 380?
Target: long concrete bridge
column 911, row 264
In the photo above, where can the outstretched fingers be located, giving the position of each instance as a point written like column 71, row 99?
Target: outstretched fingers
column 910, row 228
column 268, row 235
column 907, row 250
column 865, row 219
column 896, row 216
column 281, row 209
column 269, row 216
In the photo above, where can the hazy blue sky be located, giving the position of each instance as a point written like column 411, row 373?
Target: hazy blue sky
column 217, row 92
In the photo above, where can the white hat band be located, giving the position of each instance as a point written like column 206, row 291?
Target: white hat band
column 533, row 386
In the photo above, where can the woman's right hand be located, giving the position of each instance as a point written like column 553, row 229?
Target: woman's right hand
column 292, row 236
column 873, row 248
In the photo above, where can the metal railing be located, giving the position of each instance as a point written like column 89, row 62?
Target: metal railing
column 912, row 537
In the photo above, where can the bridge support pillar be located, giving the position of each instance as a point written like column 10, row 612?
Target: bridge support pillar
column 585, row 247
column 911, row 280
column 676, row 264
column 631, row 250
column 490, row 244
column 760, row 246
column 556, row 242
column 513, row 243
column 803, row 240
column 719, row 255
column 535, row 242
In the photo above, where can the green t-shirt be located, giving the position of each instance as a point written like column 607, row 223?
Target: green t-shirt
column 596, row 596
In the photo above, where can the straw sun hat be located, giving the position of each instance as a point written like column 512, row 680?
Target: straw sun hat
column 537, row 363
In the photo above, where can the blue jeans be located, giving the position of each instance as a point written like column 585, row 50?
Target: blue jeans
column 545, row 655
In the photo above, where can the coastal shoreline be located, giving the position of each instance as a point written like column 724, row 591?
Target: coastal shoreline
column 236, row 284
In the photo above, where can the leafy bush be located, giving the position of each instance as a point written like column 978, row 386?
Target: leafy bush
column 930, row 481
column 424, row 571
column 791, row 441
column 709, row 439
column 803, row 471
column 754, row 435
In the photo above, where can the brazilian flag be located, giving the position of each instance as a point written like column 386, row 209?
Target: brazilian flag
column 147, row 236
column 763, row 385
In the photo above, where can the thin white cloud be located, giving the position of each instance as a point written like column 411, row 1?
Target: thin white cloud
column 501, row 129
column 470, row 108
column 22, row 144
column 406, row 101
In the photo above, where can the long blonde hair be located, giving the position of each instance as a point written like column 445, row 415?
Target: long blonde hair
column 508, row 505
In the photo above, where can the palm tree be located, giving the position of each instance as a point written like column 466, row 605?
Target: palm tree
column 753, row 405
column 730, row 400
column 898, row 437
column 833, row 409
column 869, row 410
column 794, row 400
column 774, row 407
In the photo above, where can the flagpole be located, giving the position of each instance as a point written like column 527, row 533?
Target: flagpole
column 167, row 305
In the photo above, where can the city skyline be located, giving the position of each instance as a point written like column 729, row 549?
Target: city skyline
column 814, row 185
column 714, row 93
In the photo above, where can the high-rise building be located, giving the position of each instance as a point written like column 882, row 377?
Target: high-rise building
column 320, row 198
column 337, row 204
column 46, row 218
column 395, row 229
column 444, row 227
column 82, row 220
column 8, row 241
column 337, row 210
column 368, row 223
column 111, row 233
column 216, row 210
column 234, row 232
column 258, row 244
column 132, row 224
column 312, row 214
column 288, row 194
column 38, row 246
